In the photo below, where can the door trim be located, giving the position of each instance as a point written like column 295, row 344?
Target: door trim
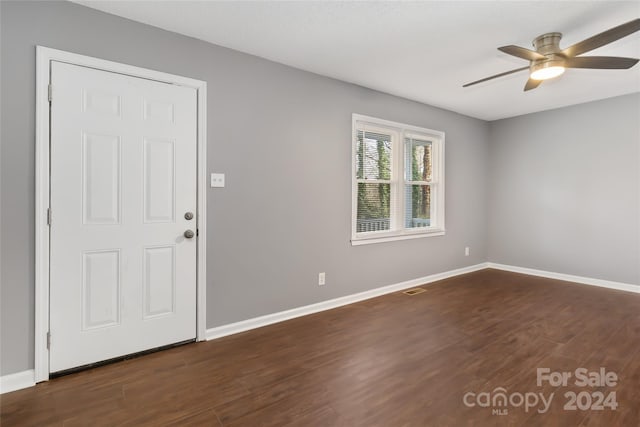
column 44, row 56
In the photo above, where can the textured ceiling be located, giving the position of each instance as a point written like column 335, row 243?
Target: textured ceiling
column 423, row 51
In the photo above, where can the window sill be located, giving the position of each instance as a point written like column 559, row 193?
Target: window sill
column 357, row 241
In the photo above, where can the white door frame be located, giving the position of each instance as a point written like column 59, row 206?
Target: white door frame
column 44, row 56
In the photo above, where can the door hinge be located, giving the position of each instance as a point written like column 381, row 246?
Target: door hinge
column 49, row 340
column 49, row 216
column 50, row 92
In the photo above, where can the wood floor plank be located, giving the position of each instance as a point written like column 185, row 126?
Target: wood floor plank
column 396, row 360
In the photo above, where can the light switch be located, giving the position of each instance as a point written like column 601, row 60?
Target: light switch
column 217, row 180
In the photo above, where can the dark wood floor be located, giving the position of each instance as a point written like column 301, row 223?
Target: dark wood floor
column 396, row 360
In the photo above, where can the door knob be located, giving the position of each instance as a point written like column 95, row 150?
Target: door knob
column 189, row 234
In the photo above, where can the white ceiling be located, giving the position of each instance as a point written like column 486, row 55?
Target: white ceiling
column 422, row 51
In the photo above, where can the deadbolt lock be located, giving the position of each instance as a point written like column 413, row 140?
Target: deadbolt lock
column 188, row 215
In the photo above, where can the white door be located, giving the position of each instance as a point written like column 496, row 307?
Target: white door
column 123, row 176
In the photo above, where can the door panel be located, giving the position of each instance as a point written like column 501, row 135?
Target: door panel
column 123, row 173
column 159, row 281
column 101, row 196
column 100, row 289
column 159, row 183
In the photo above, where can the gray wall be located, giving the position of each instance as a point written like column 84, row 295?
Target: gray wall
column 282, row 136
column 565, row 190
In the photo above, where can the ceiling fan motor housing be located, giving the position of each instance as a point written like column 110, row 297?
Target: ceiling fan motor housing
column 548, row 45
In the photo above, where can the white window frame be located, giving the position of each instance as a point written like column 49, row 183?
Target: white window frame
column 398, row 132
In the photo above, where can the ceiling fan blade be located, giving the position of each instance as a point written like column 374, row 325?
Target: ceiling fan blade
column 601, row 62
column 496, row 76
column 521, row 52
column 532, row 84
column 603, row 38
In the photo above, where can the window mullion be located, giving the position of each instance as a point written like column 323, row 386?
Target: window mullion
column 398, row 182
column 433, row 212
column 435, row 199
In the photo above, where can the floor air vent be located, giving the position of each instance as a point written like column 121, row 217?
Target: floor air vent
column 414, row 291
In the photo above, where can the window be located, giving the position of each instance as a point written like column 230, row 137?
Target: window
column 398, row 181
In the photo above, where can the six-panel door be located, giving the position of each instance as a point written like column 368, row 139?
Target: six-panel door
column 123, row 175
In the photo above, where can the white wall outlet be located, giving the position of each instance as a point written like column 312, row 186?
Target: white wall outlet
column 321, row 279
column 466, row 251
column 217, row 180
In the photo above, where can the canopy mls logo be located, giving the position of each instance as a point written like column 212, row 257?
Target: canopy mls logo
column 499, row 400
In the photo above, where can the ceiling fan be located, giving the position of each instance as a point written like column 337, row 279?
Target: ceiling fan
column 549, row 60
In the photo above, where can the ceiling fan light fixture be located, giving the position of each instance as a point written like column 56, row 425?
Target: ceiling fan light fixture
column 547, row 73
column 547, row 68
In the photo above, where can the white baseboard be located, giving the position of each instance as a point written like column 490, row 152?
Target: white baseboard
column 17, row 381
column 567, row 277
column 268, row 319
